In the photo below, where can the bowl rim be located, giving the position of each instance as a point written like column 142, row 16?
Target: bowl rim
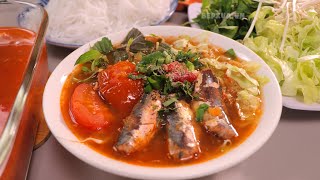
column 269, row 119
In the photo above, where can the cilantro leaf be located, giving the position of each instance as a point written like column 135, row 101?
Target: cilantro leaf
column 104, row 46
column 200, row 111
column 88, row 56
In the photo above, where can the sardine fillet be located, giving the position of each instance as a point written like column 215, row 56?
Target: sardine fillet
column 141, row 125
column 182, row 141
column 210, row 92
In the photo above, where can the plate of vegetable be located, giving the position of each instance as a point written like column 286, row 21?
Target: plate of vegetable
column 283, row 33
column 162, row 102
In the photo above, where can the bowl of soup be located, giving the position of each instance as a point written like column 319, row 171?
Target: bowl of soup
column 162, row 102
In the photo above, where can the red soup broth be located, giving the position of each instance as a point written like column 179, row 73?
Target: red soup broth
column 15, row 49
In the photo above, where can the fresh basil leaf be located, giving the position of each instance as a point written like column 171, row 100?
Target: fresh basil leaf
column 164, row 47
column 169, row 102
column 88, row 56
column 200, row 111
column 104, row 46
column 144, row 46
column 138, row 41
column 230, row 53
column 135, row 34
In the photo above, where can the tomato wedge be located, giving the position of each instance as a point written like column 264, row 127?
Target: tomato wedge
column 121, row 92
column 88, row 109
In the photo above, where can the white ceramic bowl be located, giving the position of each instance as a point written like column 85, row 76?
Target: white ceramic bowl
column 272, row 100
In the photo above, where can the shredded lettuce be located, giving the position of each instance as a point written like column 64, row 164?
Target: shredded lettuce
column 247, row 104
column 293, row 54
column 240, row 75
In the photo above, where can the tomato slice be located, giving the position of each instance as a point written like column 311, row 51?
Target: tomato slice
column 88, row 109
column 117, row 89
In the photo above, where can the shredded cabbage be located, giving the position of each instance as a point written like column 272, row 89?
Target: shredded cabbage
column 297, row 65
column 240, row 75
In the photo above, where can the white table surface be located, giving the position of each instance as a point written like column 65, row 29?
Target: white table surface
column 292, row 153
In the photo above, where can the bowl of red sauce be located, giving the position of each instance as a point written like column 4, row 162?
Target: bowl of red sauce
column 23, row 72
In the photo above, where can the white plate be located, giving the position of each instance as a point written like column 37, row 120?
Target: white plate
column 194, row 10
column 271, row 114
column 172, row 8
column 290, row 102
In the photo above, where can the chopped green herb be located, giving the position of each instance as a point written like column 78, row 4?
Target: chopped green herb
column 230, row 53
column 104, row 46
column 88, row 56
column 169, row 102
column 148, row 88
column 197, row 64
column 200, row 111
column 151, row 62
column 154, row 83
column 186, row 56
column 135, row 77
column 190, row 66
column 185, row 90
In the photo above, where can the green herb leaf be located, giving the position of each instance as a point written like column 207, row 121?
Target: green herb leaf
column 197, row 64
column 164, row 47
column 169, row 102
column 136, row 77
column 148, row 88
column 85, row 69
column 120, row 55
column 190, row 66
column 183, row 56
column 227, row 17
column 151, row 62
column 200, row 111
column 88, row 56
column 104, row 46
column 230, row 53
column 154, row 83
column 88, row 79
column 138, row 41
column 129, row 44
